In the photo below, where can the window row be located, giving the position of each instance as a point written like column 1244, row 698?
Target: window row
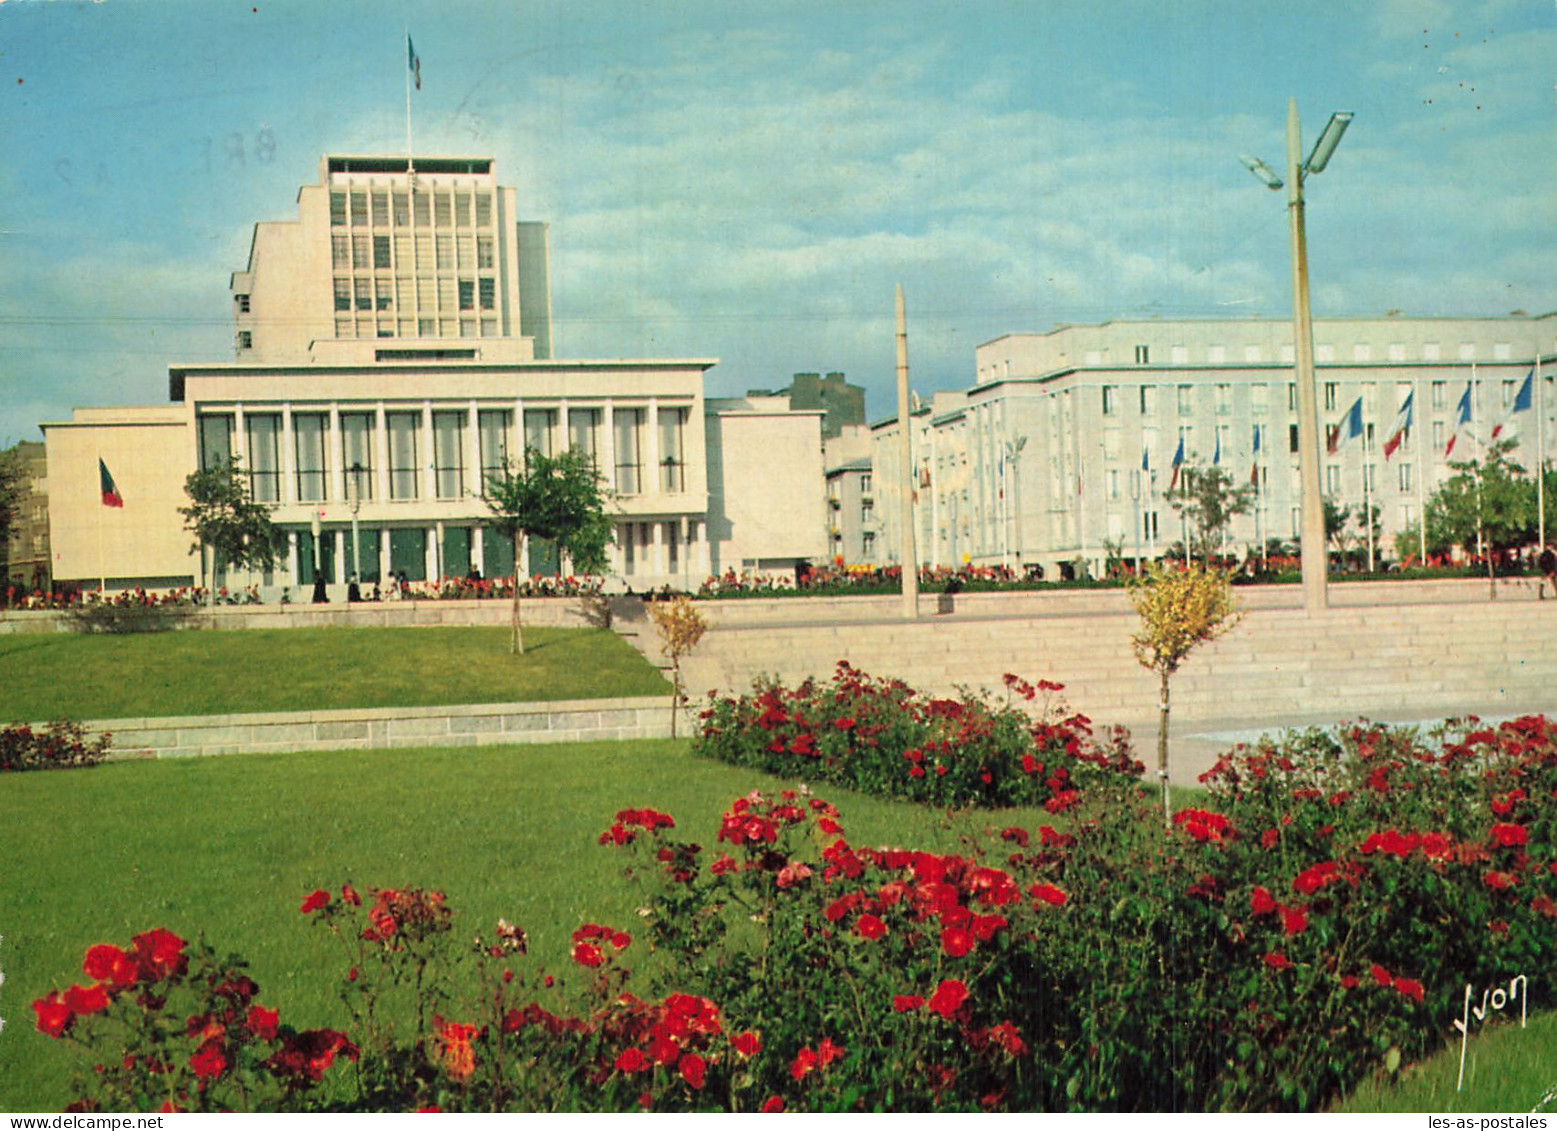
column 407, row 445
column 424, row 253
column 441, row 294
column 380, row 208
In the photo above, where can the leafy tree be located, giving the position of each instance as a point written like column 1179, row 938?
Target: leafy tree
column 13, row 484
column 1179, row 610
column 680, row 626
column 1487, row 504
column 1209, row 500
column 223, row 517
column 1337, row 518
column 557, row 498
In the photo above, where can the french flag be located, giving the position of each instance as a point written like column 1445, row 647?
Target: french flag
column 1178, row 458
column 1523, row 401
column 1349, row 429
column 1254, row 475
column 1462, row 417
column 110, row 490
column 1397, row 430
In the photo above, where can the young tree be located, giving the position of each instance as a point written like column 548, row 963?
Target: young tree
column 1487, row 505
column 559, row 498
column 223, row 517
column 1179, row 610
column 1209, row 500
column 680, row 626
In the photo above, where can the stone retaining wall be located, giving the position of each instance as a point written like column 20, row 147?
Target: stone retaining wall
column 550, row 612
column 581, row 720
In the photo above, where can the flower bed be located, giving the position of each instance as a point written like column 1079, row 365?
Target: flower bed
column 1316, row 921
column 879, row 736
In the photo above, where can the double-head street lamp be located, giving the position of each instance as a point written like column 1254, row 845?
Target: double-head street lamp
column 1315, row 555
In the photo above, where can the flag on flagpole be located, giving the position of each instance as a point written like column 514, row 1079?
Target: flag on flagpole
column 414, row 61
column 1523, row 401
column 1178, row 458
column 1349, row 428
column 1254, row 475
column 1397, row 430
column 1146, row 459
column 1216, row 455
column 111, row 496
column 1461, row 419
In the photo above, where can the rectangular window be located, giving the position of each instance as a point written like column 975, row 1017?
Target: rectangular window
column 1224, row 400
column 1113, row 483
column 1110, row 400
column 357, row 454
column 673, row 466
column 309, row 430
column 1143, row 355
column 264, row 443
column 462, row 209
column 1405, row 478
column 1186, row 399
column 467, row 251
column 538, row 425
column 384, row 291
column 488, row 292
column 1439, row 395
column 361, row 252
column 381, row 251
column 445, row 253
column 1259, row 399
column 627, row 423
column 467, row 294
column 1438, row 435
column 402, row 453
column 381, row 208
column 867, row 511
column 1291, row 396
column 483, row 210
column 583, row 425
column 243, row 303
column 1148, row 400
column 1331, row 391
column 215, row 441
column 492, row 426
column 421, row 205
column 865, row 483
column 484, row 257
column 402, row 210
column 340, row 250
column 337, row 209
column 245, row 339
column 359, row 208
column 441, row 207
column 449, row 453
column 363, row 289
column 1332, row 480
column 1292, row 438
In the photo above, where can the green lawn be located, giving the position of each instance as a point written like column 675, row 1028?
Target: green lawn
column 229, row 846
column 61, row 675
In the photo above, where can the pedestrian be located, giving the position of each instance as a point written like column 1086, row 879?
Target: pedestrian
column 1547, row 563
column 321, row 595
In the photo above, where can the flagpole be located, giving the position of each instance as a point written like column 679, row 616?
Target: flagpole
column 410, row 160
column 1540, row 455
column 1367, row 498
column 1481, row 545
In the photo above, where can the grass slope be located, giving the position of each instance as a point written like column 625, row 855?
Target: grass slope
column 60, row 675
column 229, row 846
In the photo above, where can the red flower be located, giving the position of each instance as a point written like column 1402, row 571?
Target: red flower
column 692, row 1068
column 85, row 1002
column 1410, row 987
column 1294, row 920
column 262, row 1022
column 773, row 1104
column 1048, row 893
column 1261, row 902
column 844, row 724
column 827, row 1052
column 317, row 899
column 1381, row 976
column 588, row 954
column 804, row 1062
column 1319, row 876
column 159, row 954
column 1510, row 836
column 349, row 896
column 747, row 1044
column 948, row 997
column 956, row 941
column 632, row 1060
column 1499, row 881
column 106, row 963
column 1031, row 765
column 870, row 927
column 1269, row 839
column 209, row 1060
column 905, row 1003
column 1278, row 961
column 54, row 1015
column 1349, row 981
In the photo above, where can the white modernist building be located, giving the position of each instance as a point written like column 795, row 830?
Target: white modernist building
column 1066, row 444
column 393, row 347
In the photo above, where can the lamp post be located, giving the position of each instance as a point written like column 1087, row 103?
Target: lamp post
column 1315, row 556
column 354, row 489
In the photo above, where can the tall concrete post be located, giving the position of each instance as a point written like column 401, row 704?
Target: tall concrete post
column 1316, row 557
column 908, row 553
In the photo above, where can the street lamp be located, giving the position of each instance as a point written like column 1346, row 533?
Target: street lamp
column 354, row 491
column 1315, row 556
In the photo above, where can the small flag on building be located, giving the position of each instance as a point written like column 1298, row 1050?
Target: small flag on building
column 1146, row 459
column 1178, row 458
column 414, row 61
column 111, row 496
column 1461, row 419
column 1254, row 475
column 1216, row 455
column 1398, row 430
column 1523, row 401
column 1349, row 429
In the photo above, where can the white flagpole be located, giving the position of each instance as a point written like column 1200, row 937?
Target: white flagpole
column 1420, row 445
column 1540, row 455
column 410, row 160
column 1367, row 497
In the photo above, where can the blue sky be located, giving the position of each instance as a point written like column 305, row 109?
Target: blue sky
column 749, row 181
